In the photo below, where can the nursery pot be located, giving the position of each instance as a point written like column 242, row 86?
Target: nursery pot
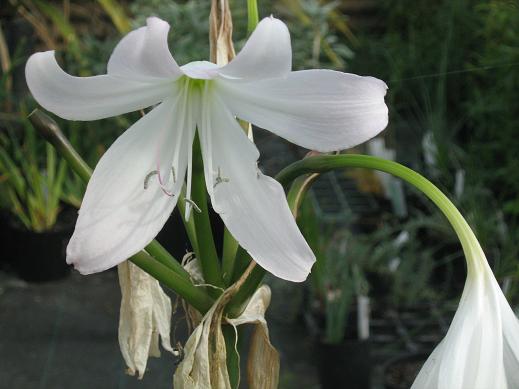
column 41, row 256
column 5, row 233
column 346, row 365
column 400, row 372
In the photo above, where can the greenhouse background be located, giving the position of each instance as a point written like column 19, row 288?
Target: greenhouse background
column 390, row 271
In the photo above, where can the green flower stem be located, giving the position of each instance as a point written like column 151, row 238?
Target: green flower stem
column 326, row 163
column 50, row 130
column 309, row 226
column 189, row 225
column 252, row 15
column 156, row 250
column 194, row 295
column 238, row 302
column 206, row 249
column 230, row 249
column 242, row 260
column 233, row 358
column 297, row 192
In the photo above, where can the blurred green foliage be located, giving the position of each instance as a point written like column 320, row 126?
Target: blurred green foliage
column 452, row 68
column 35, row 188
column 493, row 104
column 392, row 264
column 320, row 35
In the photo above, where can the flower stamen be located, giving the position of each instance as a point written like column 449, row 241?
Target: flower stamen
column 219, row 179
column 166, row 191
column 147, row 178
column 193, row 204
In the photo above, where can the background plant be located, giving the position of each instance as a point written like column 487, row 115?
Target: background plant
column 33, row 191
column 451, row 70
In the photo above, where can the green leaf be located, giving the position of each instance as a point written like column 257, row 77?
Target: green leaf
column 64, row 27
column 118, row 15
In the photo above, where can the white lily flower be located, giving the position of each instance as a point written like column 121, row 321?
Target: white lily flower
column 136, row 184
column 481, row 348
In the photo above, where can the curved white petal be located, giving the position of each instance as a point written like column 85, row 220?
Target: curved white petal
column 144, row 53
column 202, row 70
column 252, row 205
column 321, row 110
column 88, row 98
column 266, row 54
column 481, row 348
column 511, row 343
column 118, row 216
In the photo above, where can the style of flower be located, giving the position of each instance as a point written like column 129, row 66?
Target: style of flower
column 481, row 348
column 137, row 182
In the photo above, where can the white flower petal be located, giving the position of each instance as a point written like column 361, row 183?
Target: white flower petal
column 88, row 98
column 118, row 216
column 252, row 205
column 144, row 54
column 202, row 70
column 511, row 343
column 266, row 54
column 321, row 110
column 481, row 348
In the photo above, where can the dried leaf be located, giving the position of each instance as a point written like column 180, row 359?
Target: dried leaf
column 204, row 365
column 144, row 317
column 220, row 22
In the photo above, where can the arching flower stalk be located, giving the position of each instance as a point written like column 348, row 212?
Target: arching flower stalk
column 136, row 184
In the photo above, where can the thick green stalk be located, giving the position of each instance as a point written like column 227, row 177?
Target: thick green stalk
column 252, row 15
column 242, row 260
column 189, row 224
column 206, row 247
column 230, row 250
column 194, row 295
column 232, row 353
column 50, row 130
column 238, row 302
column 326, row 163
column 162, row 255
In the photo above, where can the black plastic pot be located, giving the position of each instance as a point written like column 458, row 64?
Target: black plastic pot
column 5, row 233
column 346, row 365
column 400, row 372
column 40, row 256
